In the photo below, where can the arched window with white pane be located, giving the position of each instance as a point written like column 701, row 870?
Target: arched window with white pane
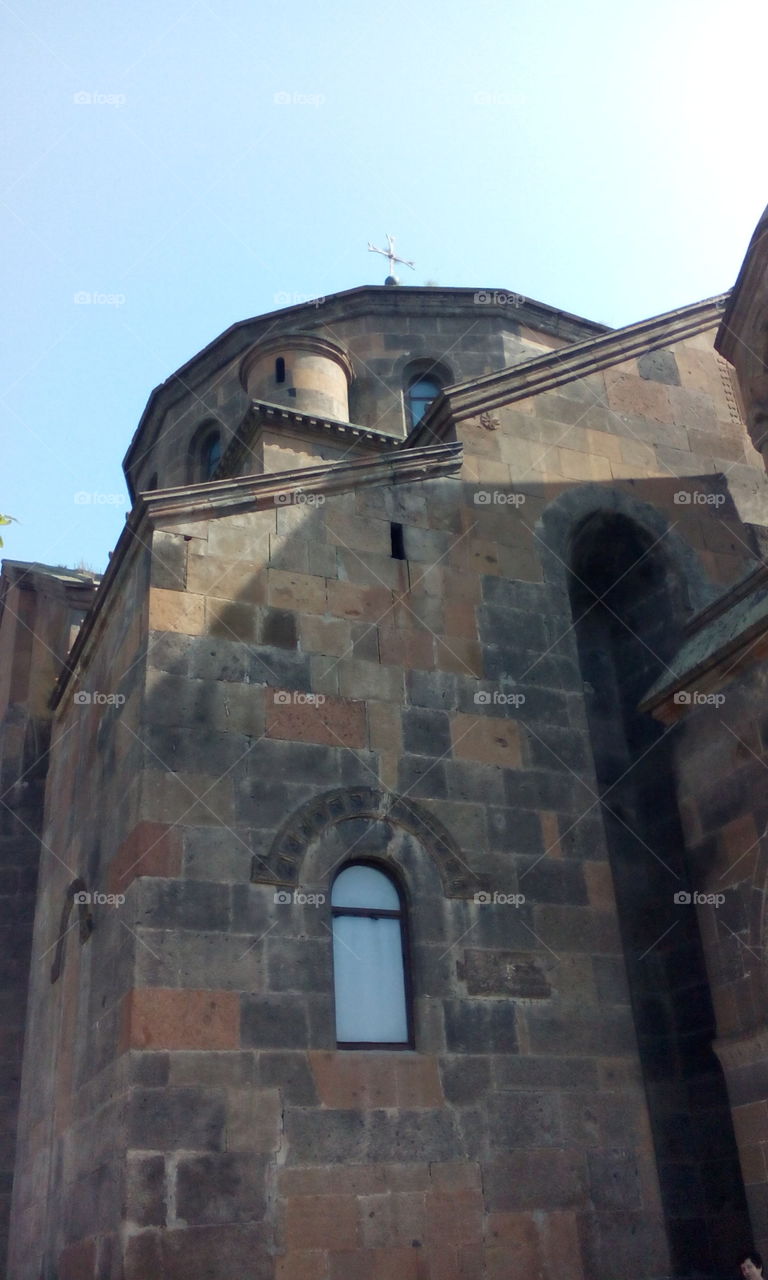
column 370, row 960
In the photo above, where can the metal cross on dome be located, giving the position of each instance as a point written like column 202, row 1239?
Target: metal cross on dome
column 389, row 253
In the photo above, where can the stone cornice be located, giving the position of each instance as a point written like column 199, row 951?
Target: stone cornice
column 253, row 493
column 467, row 399
column 218, row 498
column 742, row 1050
column 264, row 414
column 745, row 295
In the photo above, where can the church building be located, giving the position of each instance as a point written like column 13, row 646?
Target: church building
column 383, row 838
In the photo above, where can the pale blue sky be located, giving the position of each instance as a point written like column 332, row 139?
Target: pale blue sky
column 603, row 156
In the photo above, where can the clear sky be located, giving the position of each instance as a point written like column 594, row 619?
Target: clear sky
column 189, row 164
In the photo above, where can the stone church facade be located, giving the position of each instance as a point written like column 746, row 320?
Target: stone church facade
column 464, row 596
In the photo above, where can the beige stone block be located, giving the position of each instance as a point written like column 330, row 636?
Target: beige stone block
column 324, row 635
column 486, row 470
column 627, row 393
column 463, row 657
column 372, row 569
column 520, row 563
column 181, row 611
column 300, row 591
column 357, row 533
column 358, row 679
column 288, row 552
column 605, row 444
column 642, row 457
column 228, row 578
column 360, row 603
column 477, row 440
column 486, row 739
column 402, row 648
column 385, row 728
column 226, row 538
column 582, row 466
column 692, row 408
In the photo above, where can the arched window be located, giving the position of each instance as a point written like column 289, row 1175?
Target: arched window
column 421, row 392
column 280, row 369
column 210, row 454
column 370, row 960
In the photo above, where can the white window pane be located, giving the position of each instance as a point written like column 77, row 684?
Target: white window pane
column 361, row 886
column 369, row 980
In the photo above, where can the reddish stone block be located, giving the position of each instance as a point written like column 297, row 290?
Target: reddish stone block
column 392, row 1219
column 150, row 849
column 166, row 1018
column 458, row 1176
column 418, row 1082
column 359, row 603
column 378, row 1264
column 455, row 1217
column 302, row 1264
column 486, row 739
column 143, row 1256
column 560, row 1247
column 350, row 1080
column 321, row 1222
column 78, row 1261
column 335, row 722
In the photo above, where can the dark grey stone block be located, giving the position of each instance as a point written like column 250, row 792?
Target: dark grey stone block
column 278, row 629
column 426, row 732
column 226, row 1187
column 182, row 904
column 274, row 1022
column 659, row 366
column 472, row 1026
column 190, row 1118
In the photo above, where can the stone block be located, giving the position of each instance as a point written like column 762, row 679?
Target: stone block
column 300, row 592
column 213, row 1252
column 229, row 576
column 359, row 603
column 164, row 1119
column 334, row 722
column 150, row 849
column 254, row 1120
column 168, row 564
column 164, row 1018
column 231, row 620
column 474, row 1026
column 546, row 1179
column 426, row 732
column 291, row 1073
column 489, row 740
column 145, row 1190
column 220, row 1187
column 274, row 1022
column 183, row 904
column 181, row 611
column 369, row 680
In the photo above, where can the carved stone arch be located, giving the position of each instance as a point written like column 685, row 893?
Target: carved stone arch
column 77, row 894
column 317, row 817
column 561, row 522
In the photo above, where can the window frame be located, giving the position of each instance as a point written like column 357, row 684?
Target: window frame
column 405, row 947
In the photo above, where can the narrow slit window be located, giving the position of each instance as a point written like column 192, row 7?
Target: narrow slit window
column 398, row 541
column 280, row 369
